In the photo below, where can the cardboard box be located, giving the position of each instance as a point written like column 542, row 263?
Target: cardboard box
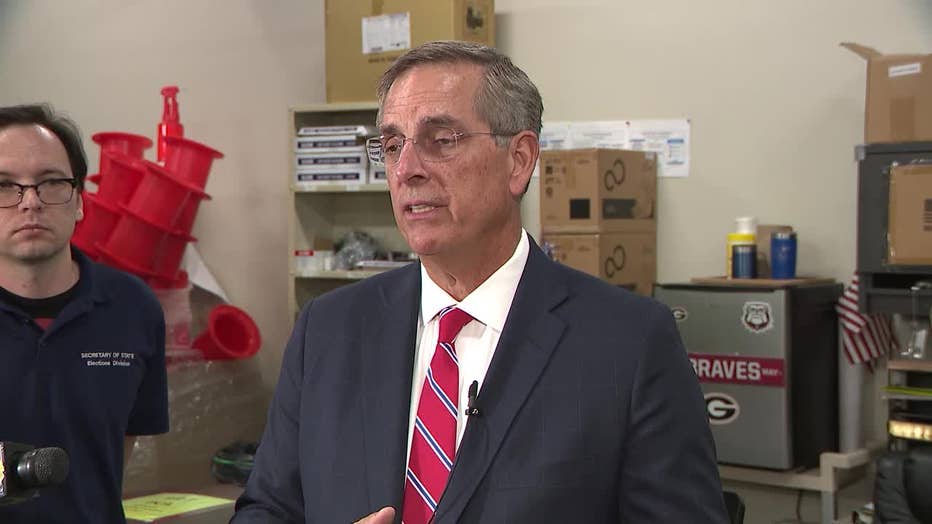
column 909, row 229
column 764, row 232
column 364, row 37
column 625, row 259
column 898, row 106
column 596, row 190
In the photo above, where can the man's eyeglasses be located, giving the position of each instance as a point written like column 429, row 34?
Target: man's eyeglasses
column 54, row 191
column 434, row 144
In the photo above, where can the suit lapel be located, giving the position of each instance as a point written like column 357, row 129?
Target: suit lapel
column 389, row 334
column 531, row 333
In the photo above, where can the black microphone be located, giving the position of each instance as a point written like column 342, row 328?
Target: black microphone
column 24, row 469
column 472, row 410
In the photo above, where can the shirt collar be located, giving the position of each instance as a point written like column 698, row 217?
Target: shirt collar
column 485, row 303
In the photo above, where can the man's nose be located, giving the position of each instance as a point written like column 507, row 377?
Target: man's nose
column 409, row 162
column 30, row 197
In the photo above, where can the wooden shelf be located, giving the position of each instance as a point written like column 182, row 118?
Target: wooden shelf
column 354, row 274
column 341, row 188
column 338, row 107
column 761, row 282
column 815, row 479
column 909, row 365
column 835, row 471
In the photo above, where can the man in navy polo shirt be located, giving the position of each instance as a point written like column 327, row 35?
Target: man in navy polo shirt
column 82, row 353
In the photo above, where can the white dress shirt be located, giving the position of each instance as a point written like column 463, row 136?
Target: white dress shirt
column 488, row 304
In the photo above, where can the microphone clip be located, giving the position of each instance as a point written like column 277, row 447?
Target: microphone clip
column 472, row 409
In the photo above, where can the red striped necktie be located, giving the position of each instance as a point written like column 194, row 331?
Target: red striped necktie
column 433, row 444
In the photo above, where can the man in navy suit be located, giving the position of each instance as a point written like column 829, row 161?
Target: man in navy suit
column 560, row 398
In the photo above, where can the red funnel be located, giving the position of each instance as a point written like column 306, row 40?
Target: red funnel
column 140, row 247
column 230, row 333
column 189, row 160
column 117, row 185
column 162, row 198
column 99, row 220
column 126, row 143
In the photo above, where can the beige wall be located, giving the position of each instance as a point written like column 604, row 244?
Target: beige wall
column 776, row 107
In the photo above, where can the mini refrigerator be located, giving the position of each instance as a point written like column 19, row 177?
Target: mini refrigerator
column 766, row 356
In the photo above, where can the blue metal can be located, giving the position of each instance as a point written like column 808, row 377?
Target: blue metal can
column 783, row 255
column 744, row 261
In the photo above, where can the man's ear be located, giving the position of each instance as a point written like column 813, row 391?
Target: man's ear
column 79, row 212
column 524, row 150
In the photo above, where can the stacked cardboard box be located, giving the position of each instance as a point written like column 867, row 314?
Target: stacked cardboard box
column 364, row 37
column 898, row 103
column 332, row 155
column 598, row 213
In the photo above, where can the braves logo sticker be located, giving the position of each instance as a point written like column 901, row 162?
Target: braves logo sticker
column 757, row 317
column 721, row 408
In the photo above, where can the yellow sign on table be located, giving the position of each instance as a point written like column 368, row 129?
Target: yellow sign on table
column 153, row 507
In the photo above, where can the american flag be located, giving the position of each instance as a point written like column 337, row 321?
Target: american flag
column 865, row 337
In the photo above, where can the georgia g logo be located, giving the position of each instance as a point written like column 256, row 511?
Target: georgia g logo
column 721, row 408
column 679, row 313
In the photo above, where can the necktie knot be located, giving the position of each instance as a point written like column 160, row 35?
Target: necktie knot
column 452, row 320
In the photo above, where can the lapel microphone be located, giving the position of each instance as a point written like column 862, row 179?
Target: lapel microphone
column 472, row 409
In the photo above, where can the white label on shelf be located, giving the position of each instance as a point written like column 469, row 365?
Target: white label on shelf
column 904, row 70
column 383, row 33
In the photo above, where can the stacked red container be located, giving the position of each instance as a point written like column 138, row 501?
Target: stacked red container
column 140, row 220
column 116, row 180
column 141, row 216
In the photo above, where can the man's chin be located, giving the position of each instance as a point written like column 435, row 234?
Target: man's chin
column 38, row 253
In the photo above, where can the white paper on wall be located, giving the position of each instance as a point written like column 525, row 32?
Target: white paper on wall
column 670, row 139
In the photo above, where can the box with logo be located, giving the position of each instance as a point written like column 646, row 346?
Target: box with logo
column 363, row 37
column 327, row 143
column 625, row 259
column 377, row 174
column 766, row 355
column 898, row 105
column 347, row 166
column 597, row 190
column 326, row 158
column 909, row 228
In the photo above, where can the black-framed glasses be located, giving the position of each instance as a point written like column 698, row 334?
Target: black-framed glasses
column 433, row 144
column 53, row 192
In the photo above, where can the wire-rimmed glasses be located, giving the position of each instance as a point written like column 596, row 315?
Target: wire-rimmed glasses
column 433, row 144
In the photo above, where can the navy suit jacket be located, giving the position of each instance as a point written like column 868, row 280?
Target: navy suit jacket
column 591, row 412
